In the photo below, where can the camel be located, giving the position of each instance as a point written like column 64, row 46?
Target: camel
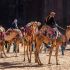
column 68, row 33
column 2, row 48
column 55, row 43
column 28, row 47
column 39, row 39
column 2, row 30
column 27, row 42
column 12, row 36
column 28, row 33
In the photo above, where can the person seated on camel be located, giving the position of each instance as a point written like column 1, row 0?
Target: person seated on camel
column 14, row 24
column 50, row 20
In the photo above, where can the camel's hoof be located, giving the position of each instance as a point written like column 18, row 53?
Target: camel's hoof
column 57, row 64
column 40, row 64
column 7, row 52
column 23, row 60
column 49, row 63
column 36, row 61
column 29, row 61
column 1, row 57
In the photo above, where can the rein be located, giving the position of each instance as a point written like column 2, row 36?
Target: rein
column 60, row 27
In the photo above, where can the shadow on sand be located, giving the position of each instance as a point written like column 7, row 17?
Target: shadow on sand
column 6, row 65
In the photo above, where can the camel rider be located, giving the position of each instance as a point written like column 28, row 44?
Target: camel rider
column 15, row 27
column 50, row 21
column 14, row 24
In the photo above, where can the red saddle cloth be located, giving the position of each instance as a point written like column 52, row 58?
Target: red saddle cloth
column 50, row 30
column 1, row 36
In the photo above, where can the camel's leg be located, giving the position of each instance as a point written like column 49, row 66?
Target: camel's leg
column 56, row 54
column 15, row 44
column 30, row 52
column 39, row 62
column 24, row 52
column 4, row 54
column 8, row 47
column 27, row 53
column 3, row 51
column 41, row 48
column 17, row 48
column 50, row 54
column 1, row 55
column 16, row 51
column 37, row 59
column 36, row 54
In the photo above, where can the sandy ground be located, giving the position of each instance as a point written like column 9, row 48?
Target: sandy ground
column 17, row 63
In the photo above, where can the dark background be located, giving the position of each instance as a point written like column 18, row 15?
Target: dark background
column 29, row 10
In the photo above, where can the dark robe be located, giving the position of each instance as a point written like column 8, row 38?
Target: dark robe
column 50, row 22
column 13, row 26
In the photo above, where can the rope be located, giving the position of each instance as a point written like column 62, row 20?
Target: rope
column 59, row 27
